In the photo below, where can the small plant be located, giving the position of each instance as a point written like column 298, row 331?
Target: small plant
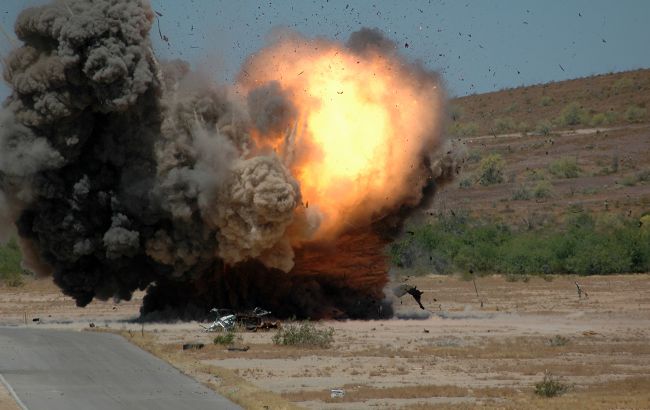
column 550, row 386
column 521, row 194
column 558, row 340
column 491, row 170
column 545, row 101
column 456, row 112
column 304, row 334
column 622, row 84
column 544, row 128
column 629, row 180
column 565, row 167
column 503, row 125
column 474, row 156
column 635, row 113
column 572, row 114
column 464, row 183
column 459, row 129
column 598, row 119
column 542, row 190
column 224, row 339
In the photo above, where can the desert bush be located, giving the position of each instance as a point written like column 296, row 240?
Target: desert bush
column 572, row 114
column 550, row 386
column 521, row 193
column 456, row 112
column 512, row 108
column 643, row 176
column 565, row 167
column 635, row 113
column 11, row 273
column 544, row 127
column 558, row 340
column 545, row 101
column 598, row 119
column 542, row 189
column 503, row 125
column 629, row 180
column 465, row 183
column 224, row 339
column 622, row 84
column 581, row 244
column 474, row 156
column 459, row 129
column 491, row 170
column 304, row 334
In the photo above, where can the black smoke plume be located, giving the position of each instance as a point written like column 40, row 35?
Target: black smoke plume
column 120, row 173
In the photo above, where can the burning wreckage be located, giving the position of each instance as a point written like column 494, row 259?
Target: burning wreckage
column 121, row 172
column 252, row 320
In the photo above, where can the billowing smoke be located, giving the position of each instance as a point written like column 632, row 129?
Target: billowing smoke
column 121, row 172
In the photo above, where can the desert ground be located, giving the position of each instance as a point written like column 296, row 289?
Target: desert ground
column 487, row 350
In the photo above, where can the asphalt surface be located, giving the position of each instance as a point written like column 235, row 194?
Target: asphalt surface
column 64, row 370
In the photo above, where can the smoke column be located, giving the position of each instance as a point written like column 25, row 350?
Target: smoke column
column 120, row 172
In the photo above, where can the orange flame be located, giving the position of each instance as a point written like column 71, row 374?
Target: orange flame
column 363, row 122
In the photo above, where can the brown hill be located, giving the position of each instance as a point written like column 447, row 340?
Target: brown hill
column 592, row 152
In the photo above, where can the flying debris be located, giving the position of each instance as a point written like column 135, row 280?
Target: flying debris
column 404, row 289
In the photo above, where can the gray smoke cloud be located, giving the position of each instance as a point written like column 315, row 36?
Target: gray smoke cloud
column 121, row 172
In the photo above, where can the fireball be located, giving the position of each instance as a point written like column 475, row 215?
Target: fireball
column 363, row 121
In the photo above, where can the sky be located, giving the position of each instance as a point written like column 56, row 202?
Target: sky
column 477, row 46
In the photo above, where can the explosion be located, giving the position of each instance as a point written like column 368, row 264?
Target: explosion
column 121, row 172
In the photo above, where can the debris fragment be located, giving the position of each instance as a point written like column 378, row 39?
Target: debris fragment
column 238, row 348
column 193, row 346
column 337, row 393
column 403, row 289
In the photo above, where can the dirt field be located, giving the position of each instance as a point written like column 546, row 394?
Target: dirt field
column 463, row 355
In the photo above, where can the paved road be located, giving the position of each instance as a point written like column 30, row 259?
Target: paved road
column 63, row 370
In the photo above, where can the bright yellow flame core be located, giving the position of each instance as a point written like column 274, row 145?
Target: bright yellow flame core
column 363, row 124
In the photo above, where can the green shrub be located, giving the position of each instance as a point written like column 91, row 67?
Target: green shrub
column 491, row 170
column 598, row 119
column 11, row 273
column 503, row 125
column 456, row 112
column 566, row 167
column 581, row 244
column 224, row 339
column 550, row 386
column 623, row 84
column 635, row 113
column 542, row 189
column 304, row 334
column 558, row 340
column 474, row 156
column 643, row 176
column 459, row 129
column 544, row 127
column 521, row 193
column 572, row 114
column 465, row 183
column 545, row 101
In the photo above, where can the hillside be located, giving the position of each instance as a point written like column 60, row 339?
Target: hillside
column 541, row 175
column 603, row 100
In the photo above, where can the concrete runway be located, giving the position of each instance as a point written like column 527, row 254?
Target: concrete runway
column 64, row 370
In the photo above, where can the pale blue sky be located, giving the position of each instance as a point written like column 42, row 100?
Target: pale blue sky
column 478, row 46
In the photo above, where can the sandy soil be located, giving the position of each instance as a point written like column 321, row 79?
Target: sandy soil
column 463, row 354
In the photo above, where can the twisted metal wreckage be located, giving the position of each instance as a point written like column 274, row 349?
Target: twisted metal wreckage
column 227, row 319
